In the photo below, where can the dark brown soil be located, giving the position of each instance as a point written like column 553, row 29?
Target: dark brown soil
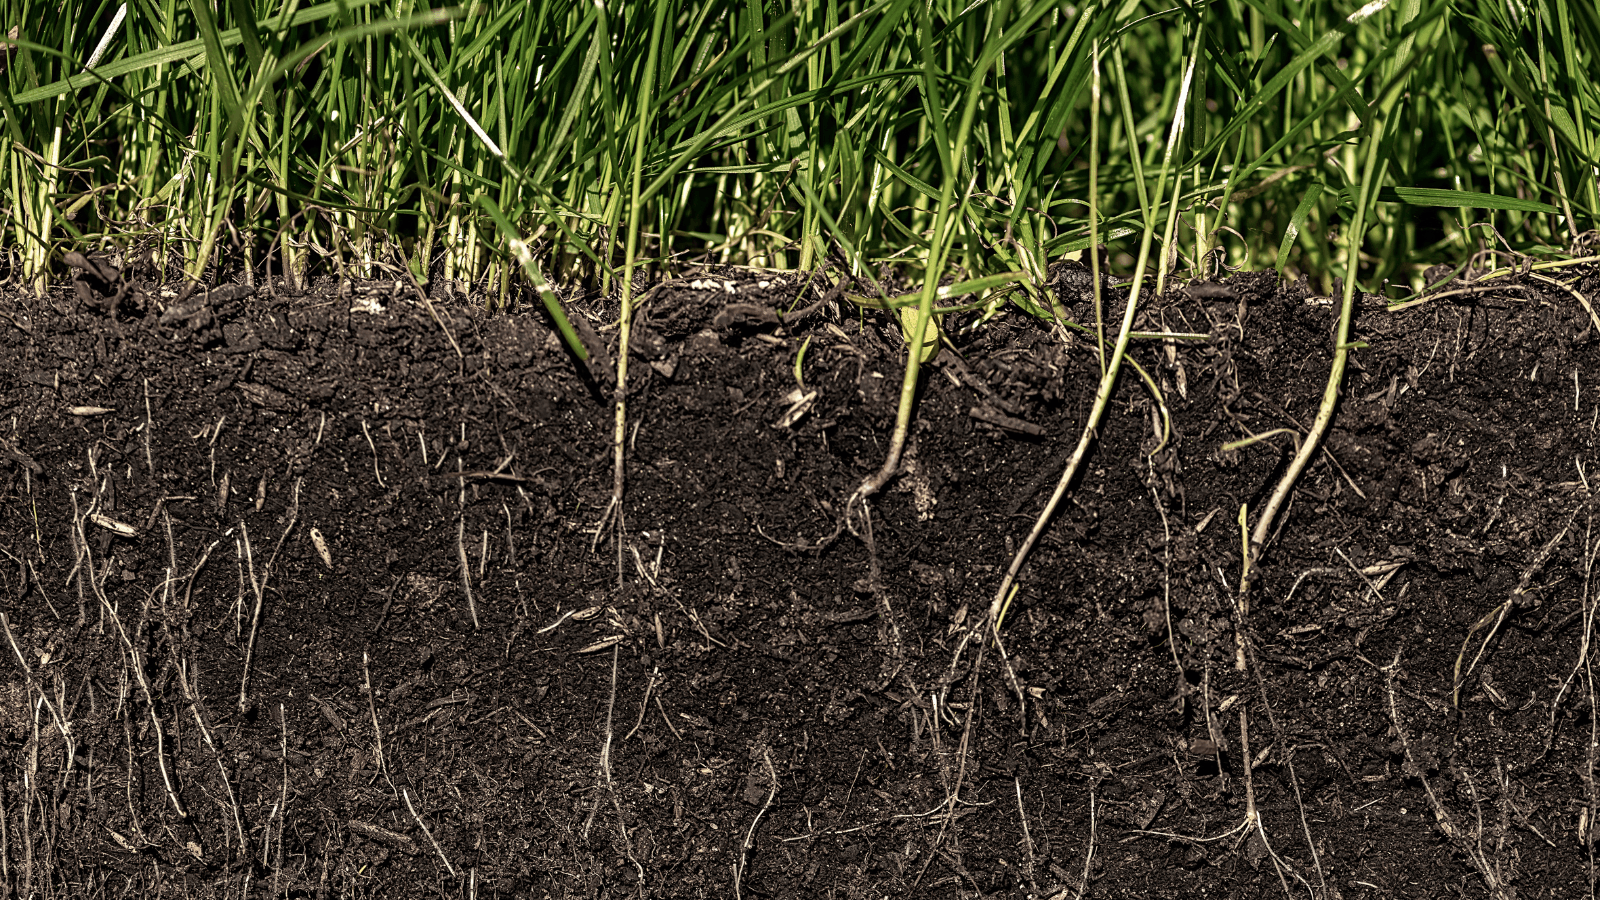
column 477, row 692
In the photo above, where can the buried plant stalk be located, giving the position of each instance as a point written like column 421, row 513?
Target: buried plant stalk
column 1371, row 174
column 1108, row 380
column 944, row 228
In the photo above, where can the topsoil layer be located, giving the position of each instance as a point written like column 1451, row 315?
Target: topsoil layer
column 324, row 597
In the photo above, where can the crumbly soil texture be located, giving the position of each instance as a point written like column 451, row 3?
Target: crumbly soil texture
column 326, row 596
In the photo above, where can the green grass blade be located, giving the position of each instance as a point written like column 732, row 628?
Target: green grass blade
column 1460, row 200
column 552, row 303
column 1297, row 222
column 180, row 52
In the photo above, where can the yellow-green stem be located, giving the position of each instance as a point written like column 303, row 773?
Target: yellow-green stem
column 1102, row 397
column 943, row 234
column 625, row 325
column 1094, row 207
column 1372, row 140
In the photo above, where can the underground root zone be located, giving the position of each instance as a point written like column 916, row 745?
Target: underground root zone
column 314, row 598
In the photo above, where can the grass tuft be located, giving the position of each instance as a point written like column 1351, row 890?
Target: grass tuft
column 355, row 136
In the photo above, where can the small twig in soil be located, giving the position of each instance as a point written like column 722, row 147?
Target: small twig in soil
column 750, row 836
column 600, row 528
column 1094, row 832
column 611, row 707
column 999, row 419
column 466, row 568
column 374, row 448
column 379, row 833
column 644, row 704
column 211, row 450
column 161, row 506
column 80, row 556
column 283, row 796
column 372, row 707
column 667, row 719
column 511, row 544
column 149, row 423
column 638, row 564
column 406, row 793
column 1027, row 836
column 242, row 554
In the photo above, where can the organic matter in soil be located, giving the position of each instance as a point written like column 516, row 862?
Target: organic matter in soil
column 324, row 596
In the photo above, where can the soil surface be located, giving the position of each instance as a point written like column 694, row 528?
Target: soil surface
column 324, row 597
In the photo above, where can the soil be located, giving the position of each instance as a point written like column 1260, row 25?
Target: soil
column 323, row 597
